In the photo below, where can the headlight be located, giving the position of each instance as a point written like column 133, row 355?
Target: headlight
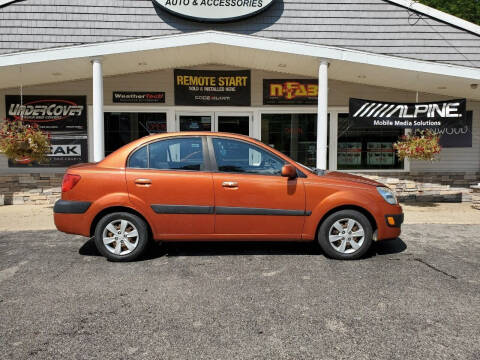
column 388, row 195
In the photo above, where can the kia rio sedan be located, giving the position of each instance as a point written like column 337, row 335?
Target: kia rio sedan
column 195, row 186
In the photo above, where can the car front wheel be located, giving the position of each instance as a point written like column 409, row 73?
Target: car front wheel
column 345, row 235
column 121, row 236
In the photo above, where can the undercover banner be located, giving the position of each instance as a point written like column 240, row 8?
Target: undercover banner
column 52, row 113
column 212, row 88
column 377, row 114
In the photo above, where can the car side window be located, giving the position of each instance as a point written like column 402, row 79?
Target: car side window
column 170, row 154
column 242, row 157
column 139, row 159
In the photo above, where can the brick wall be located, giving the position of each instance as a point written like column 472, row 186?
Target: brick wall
column 44, row 188
column 33, row 188
column 429, row 187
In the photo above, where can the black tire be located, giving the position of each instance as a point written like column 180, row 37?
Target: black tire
column 329, row 249
column 140, row 243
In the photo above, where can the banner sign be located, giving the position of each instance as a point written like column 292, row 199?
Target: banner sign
column 214, row 10
column 144, row 97
column 51, row 113
column 447, row 118
column 290, row 92
column 456, row 137
column 366, row 113
column 212, row 88
column 63, row 152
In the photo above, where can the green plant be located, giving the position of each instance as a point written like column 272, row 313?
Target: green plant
column 419, row 145
column 23, row 141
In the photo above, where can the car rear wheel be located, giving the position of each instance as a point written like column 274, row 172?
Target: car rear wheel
column 121, row 236
column 345, row 235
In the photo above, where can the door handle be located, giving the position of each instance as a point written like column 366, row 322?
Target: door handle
column 230, row 184
column 143, row 182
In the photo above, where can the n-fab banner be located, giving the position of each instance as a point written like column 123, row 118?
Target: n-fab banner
column 63, row 152
column 290, row 91
column 367, row 113
column 212, row 88
column 51, row 113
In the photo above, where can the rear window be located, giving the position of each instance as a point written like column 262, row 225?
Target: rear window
column 170, row 154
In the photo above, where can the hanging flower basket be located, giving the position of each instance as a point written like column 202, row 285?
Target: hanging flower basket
column 23, row 143
column 419, row 145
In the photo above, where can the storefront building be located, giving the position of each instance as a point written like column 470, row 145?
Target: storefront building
column 101, row 74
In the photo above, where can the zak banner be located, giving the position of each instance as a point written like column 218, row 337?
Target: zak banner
column 290, row 92
column 64, row 152
column 212, row 88
column 376, row 114
column 52, row 113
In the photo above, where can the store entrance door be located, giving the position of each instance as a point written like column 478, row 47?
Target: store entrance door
column 233, row 122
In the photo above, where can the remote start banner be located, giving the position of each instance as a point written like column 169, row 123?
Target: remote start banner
column 212, row 88
column 51, row 113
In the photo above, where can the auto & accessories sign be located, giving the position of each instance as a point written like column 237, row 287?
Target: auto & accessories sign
column 214, row 10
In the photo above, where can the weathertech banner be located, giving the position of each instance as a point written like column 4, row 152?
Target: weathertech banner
column 144, row 97
column 376, row 114
column 51, row 113
column 290, row 92
column 212, row 88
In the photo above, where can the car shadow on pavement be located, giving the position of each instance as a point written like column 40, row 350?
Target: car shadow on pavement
column 227, row 248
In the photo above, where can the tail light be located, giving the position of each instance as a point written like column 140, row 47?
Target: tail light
column 69, row 181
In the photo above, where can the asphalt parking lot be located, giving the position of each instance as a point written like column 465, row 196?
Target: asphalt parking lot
column 413, row 298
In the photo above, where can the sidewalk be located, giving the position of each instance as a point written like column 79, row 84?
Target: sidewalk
column 40, row 217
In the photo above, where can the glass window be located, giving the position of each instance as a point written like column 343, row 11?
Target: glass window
column 242, row 157
column 170, row 154
column 176, row 154
column 366, row 148
column 295, row 135
column 124, row 127
column 195, row 123
column 139, row 159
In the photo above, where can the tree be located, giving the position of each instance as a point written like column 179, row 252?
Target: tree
column 465, row 9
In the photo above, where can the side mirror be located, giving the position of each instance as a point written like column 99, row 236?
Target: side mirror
column 289, row 171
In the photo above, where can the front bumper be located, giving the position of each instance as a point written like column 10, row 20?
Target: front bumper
column 395, row 220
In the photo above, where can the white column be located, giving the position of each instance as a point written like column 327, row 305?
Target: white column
column 98, row 129
column 322, row 115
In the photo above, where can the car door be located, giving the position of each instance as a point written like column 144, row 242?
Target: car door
column 252, row 199
column 168, row 178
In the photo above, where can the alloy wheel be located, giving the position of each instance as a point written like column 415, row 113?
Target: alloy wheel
column 346, row 236
column 120, row 237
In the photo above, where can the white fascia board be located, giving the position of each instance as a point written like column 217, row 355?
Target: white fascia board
column 245, row 41
column 439, row 15
column 6, row 2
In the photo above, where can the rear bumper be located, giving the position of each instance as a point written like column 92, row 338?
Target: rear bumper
column 71, row 207
column 72, row 217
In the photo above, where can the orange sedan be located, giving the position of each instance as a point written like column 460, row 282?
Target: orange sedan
column 217, row 186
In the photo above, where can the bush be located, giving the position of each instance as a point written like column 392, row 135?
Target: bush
column 24, row 142
column 419, row 145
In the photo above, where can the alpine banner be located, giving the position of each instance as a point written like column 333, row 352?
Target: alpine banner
column 51, row 113
column 367, row 113
column 447, row 118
